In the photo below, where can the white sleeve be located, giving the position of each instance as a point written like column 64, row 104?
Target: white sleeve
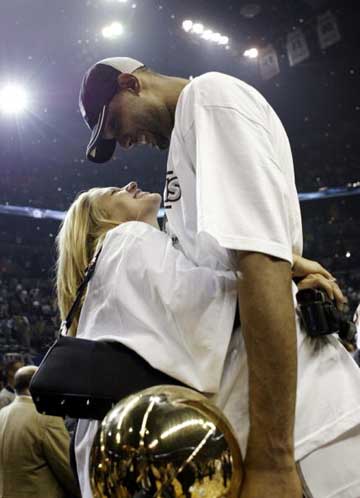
column 188, row 310
column 241, row 192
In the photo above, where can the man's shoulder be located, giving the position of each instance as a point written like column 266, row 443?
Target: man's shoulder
column 221, row 90
column 213, row 82
column 18, row 412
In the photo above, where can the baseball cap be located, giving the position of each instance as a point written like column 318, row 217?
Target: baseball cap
column 98, row 87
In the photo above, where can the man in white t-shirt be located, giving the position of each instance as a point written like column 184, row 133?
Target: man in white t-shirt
column 231, row 203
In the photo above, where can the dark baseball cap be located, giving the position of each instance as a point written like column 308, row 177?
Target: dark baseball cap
column 98, row 87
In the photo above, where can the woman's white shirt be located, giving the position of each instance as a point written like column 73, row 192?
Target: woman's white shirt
column 148, row 296
column 179, row 317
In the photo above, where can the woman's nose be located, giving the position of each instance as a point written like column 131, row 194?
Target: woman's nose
column 131, row 186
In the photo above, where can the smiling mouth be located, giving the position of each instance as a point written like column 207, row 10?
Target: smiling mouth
column 139, row 193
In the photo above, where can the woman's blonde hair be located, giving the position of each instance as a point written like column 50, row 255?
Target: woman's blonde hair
column 81, row 233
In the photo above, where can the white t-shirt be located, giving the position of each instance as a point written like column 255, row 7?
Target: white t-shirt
column 179, row 317
column 147, row 295
column 230, row 185
column 176, row 313
column 230, row 176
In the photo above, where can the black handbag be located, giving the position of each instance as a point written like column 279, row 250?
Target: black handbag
column 82, row 378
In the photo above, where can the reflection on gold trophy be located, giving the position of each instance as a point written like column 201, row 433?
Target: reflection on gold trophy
column 165, row 442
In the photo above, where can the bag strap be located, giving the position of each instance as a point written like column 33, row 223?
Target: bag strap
column 89, row 272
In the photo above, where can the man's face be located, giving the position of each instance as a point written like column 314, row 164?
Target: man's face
column 138, row 118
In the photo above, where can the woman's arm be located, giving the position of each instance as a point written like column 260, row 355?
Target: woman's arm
column 312, row 275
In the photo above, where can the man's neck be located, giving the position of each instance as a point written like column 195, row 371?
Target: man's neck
column 172, row 89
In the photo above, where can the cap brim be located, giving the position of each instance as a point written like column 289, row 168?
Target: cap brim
column 99, row 149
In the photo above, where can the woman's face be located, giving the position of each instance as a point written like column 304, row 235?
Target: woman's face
column 128, row 203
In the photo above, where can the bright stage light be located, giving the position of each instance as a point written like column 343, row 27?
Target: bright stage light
column 207, row 34
column 198, row 29
column 215, row 37
column 252, row 53
column 13, row 99
column 204, row 33
column 112, row 31
column 224, row 40
column 187, row 25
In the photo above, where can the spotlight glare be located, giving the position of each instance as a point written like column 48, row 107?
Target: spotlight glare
column 251, row 53
column 207, row 34
column 112, row 31
column 13, row 99
column 224, row 40
column 198, row 29
column 215, row 37
column 187, row 25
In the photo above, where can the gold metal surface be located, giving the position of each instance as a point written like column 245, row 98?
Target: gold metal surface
column 165, row 442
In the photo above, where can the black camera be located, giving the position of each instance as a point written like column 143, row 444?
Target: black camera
column 320, row 316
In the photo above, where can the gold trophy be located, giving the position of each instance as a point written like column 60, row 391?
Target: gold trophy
column 165, row 442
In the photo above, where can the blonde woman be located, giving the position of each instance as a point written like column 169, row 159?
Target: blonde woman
column 180, row 318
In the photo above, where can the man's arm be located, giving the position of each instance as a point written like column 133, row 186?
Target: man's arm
column 268, row 325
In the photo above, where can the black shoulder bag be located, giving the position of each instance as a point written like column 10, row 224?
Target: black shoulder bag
column 82, row 378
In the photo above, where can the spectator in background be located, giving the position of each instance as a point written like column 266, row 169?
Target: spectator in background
column 34, row 448
column 7, row 394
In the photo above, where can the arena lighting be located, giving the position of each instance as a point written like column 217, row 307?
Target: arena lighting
column 216, row 37
column 224, row 40
column 251, row 53
column 113, row 31
column 187, row 25
column 197, row 28
column 207, row 34
column 13, row 99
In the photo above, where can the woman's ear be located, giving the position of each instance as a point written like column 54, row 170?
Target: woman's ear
column 128, row 81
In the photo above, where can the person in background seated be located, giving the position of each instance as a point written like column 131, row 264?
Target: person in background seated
column 34, row 448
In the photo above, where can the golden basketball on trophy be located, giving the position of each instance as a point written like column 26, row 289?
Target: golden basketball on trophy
column 165, row 442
